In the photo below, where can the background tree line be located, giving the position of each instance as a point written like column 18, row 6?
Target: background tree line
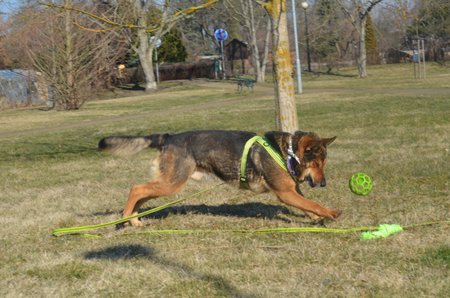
column 79, row 49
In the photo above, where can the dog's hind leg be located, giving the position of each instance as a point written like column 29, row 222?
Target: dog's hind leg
column 139, row 194
column 174, row 172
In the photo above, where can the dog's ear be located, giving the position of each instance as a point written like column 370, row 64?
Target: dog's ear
column 328, row 141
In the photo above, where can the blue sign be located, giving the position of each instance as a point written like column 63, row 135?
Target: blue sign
column 221, row 34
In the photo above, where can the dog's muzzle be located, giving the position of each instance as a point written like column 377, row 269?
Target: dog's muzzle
column 313, row 184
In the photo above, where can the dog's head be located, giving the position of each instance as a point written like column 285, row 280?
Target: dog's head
column 312, row 152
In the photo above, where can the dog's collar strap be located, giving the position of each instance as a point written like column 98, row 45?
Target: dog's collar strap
column 266, row 145
column 292, row 155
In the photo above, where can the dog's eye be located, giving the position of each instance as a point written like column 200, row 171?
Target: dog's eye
column 308, row 150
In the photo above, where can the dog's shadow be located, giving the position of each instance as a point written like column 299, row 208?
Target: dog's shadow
column 247, row 210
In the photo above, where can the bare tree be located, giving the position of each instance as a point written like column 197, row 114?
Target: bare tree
column 71, row 60
column 285, row 107
column 392, row 19
column 245, row 13
column 432, row 23
column 357, row 12
column 148, row 20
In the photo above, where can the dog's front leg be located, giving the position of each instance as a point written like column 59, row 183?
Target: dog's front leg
column 315, row 218
column 312, row 209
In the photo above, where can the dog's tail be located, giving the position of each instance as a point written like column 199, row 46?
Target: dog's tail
column 127, row 145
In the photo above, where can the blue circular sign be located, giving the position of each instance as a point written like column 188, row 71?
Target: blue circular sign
column 221, row 34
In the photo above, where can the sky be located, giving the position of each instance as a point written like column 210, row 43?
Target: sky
column 8, row 6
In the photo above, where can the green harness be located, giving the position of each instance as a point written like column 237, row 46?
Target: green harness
column 266, row 145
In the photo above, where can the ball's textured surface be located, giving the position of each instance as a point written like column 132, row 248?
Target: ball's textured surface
column 360, row 184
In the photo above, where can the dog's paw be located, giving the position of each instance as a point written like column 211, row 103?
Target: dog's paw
column 136, row 223
column 334, row 214
column 329, row 214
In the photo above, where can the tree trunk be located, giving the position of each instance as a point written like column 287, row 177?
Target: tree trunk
column 145, row 48
column 254, row 41
column 285, row 106
column 145, row 52
column 259, row 64
column 147, row 67
column 362, row 54
column 358, row 17
column 70, row 102
column 266, row 54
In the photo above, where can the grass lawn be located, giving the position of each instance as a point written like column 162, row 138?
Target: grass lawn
column 388, row 125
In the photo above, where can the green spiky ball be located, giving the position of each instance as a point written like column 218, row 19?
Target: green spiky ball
column 360, row 184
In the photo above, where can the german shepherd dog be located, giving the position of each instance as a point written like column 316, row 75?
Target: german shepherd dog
column 191, row 154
